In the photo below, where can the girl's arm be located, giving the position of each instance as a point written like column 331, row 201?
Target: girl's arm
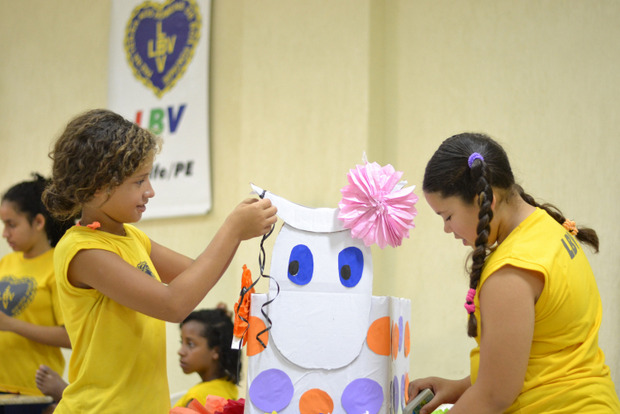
column 507, row 302
column 46, row 335
column 115, row 278
column 169, row 264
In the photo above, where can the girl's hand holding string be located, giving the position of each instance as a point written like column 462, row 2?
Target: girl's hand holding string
column 251, row 218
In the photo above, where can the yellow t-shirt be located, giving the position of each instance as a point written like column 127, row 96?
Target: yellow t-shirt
column 118, row 363
column 220, row 387
column 28, row 292
column 566, row 371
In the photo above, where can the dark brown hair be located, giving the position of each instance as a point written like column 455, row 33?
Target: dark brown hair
column 217, row 329
column 26, row 198
column 448, row 173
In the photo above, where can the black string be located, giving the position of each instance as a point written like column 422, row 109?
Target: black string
column 246, row 290
column 261, row 265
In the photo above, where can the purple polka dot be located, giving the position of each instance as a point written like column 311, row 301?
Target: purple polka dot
column 403, row 392
column 395, row 395
column 362, row 395
column 271, row 390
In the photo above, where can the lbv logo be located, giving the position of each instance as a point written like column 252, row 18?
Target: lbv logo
column 161, row 47
column 160, row 40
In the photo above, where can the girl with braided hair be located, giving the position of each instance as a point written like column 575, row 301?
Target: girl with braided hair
column 533, row 304
column 206, row 336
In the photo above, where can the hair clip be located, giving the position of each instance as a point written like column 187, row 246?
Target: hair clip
column 570, row 226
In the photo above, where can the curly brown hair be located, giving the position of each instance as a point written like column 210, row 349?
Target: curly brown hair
column 98, row 150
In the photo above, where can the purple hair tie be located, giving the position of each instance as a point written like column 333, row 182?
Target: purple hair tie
column 473, row 157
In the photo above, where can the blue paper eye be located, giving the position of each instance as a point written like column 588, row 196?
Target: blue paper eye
column 300, row 265
column 351, row 266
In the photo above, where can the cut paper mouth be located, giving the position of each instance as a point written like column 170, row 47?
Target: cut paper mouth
column 341, row 320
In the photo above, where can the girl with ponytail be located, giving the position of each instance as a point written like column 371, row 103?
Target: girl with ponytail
column 533, row 305
column 31, row 323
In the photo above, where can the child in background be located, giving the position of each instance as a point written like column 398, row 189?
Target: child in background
column 206, row 336
column 31, row 323
column 116, row 286
column 534, row 307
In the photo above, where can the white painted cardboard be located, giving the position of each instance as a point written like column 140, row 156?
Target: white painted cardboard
column 319, row 323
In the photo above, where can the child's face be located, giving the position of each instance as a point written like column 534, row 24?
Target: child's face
column 459, row 218
column 19, row 233
column 128, row 201
column 195, row 353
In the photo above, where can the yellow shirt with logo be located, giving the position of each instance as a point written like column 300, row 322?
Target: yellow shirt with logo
column 566, row 369
column 28, row 292
column 220, row 387
column 118, row 362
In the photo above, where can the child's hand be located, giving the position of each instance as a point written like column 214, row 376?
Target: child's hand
column 252, row 218
column 446, row 391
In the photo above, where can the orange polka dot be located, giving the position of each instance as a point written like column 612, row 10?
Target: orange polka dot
column 395, row 338
column 407, row 339
column 316, row 401
column 378, row 336
column 407, row 388
column 256, row 325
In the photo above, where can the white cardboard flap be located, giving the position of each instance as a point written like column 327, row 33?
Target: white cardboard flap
column 323, row 220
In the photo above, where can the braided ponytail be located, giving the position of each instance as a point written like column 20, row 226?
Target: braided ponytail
column 585, row 234
column 469, row 166
column 485, row 198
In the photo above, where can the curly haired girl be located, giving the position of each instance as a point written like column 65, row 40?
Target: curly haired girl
column 116, row 286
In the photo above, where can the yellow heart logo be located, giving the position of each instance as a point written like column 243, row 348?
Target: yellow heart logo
column 160, row 40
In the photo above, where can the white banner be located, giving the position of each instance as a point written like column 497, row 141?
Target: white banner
column 158, row 79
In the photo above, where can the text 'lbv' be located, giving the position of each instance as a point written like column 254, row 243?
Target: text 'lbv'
column 157, row 120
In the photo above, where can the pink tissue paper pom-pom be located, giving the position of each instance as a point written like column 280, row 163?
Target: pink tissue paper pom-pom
column 376, row 207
